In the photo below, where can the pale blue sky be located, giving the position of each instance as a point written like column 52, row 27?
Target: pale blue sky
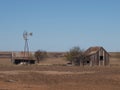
column 59, row 25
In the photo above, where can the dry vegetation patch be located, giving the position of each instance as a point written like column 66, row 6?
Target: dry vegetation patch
column 59, row 78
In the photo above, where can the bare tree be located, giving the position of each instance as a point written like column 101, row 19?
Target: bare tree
column 76, row 56
column 40, row 55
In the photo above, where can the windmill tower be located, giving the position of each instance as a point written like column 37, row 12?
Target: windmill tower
column 26, row 47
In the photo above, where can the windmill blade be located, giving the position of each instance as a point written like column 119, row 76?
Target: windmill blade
column 31, row 34
column 25, row 35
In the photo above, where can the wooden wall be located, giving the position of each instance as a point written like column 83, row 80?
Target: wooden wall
column 100, row 58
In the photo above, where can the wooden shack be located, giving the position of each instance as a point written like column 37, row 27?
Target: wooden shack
column 97, row 56
column 20, row 59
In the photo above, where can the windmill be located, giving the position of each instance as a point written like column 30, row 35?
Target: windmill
column 26, row 47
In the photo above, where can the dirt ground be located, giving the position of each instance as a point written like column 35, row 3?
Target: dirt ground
column 48, row 75
column 59, row 78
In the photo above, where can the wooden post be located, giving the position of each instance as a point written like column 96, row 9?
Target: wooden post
column 99, row 59
column 12, row 57
column 103, row 58
column 91, row 61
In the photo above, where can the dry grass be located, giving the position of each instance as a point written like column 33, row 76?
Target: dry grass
column 115, row 58
column 53, row 61
column 59, row 78
column 52, row 77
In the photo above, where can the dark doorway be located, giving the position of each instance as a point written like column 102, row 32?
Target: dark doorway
column 101, row 58
column 88, row 62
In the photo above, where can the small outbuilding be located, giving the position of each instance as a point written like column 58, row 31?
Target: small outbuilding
column 19, row 58
column 24, row 61
column 97, row 56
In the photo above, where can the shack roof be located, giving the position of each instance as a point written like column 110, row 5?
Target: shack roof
column 24, row 58
column 94, row 50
